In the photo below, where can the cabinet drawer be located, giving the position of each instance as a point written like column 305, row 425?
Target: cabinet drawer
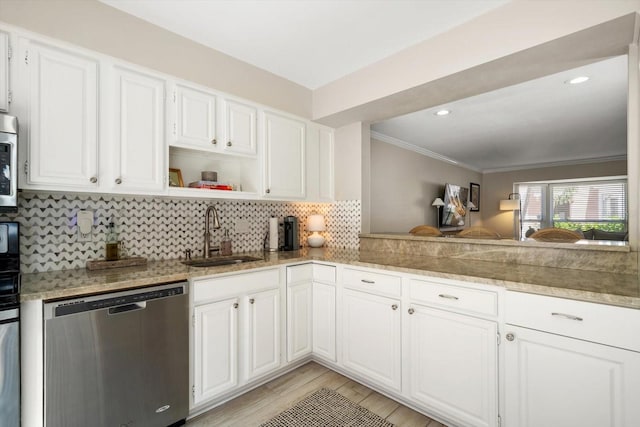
column 371, row 281
column 324, row 273
column 606, row 324
column 299, row 273
column 237, row 284
column 473, row 301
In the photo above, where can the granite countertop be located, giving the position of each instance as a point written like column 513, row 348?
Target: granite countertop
column 608, row 288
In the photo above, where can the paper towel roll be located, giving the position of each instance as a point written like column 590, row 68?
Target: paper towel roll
column 273, row 234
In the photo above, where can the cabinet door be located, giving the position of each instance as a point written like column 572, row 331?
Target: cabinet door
column 553, row 380
column 195, row 118
column 139, row 132
column 4, row 72
column 262, row 349
column 324, row 321
column 299, row 321
column 453, row 365
column 284, row 157
column 62, row 117
column 240, row 128
column 215, row 349
column 371, row 337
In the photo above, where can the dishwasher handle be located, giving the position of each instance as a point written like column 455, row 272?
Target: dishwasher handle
column 127, row 308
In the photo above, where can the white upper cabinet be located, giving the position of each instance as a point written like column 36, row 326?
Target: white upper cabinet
column 194, row 120
column 285, row 157
column 320, row 167
column 241, row 125
column 4, row 72
column 60, row 107
column 138, row 132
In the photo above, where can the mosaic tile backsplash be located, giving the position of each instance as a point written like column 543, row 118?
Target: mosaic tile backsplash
column 158, row 228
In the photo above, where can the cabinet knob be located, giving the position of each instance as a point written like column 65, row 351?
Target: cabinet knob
column 411, row 311
column 394, row 307
column 235, row 305
column 510, row 337
column 229, row 144
column 267, row 191
column 251, row 301
column 214, row 141
column 93, row 179
column 118, row 181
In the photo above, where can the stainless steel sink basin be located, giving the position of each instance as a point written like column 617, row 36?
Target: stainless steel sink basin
column 218, row 261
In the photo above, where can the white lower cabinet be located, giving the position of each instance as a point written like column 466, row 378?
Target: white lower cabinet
column 299, row 318
column 324, row 321
column 558, row 381
column 453, row 365
column 570, row 363
column 371, row 337
column 262, row 333
column 216, row 349
column 236, row 332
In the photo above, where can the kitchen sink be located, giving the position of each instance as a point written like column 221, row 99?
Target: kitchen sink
column 218, row 261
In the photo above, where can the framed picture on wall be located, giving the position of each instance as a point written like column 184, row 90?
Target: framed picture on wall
column 474, row 197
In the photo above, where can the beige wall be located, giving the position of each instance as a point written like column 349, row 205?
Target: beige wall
column 498, row 185
column 405, row 183
column 94, row 25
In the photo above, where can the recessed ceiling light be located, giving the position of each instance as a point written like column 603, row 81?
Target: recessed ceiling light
column 577, row 80
column 442, row 112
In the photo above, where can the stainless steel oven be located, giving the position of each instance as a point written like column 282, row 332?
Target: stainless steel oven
column 8, row 163
column 9, row 325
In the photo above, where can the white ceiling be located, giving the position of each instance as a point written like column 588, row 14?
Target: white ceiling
column 310, row 42
column 540, row 122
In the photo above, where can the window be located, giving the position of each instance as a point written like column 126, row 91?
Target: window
column 578, row 204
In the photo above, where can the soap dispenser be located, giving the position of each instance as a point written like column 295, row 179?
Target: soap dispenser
column 225, row 244
column 111, row 247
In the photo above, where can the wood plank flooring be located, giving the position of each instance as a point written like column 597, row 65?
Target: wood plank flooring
column 267, row 401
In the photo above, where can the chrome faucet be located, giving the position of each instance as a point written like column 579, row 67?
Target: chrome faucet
column 207, row 234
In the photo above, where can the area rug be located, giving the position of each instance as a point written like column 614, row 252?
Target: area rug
column 326, row 408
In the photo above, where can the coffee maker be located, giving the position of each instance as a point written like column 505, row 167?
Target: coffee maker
column 291, row 240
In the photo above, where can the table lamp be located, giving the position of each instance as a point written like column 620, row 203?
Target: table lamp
column 315, row 223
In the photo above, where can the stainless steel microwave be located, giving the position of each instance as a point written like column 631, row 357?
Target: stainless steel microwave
column 8, row 163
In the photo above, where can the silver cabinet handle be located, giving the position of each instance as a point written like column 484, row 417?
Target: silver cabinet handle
column 214, row 141
column 510, row 337
column 93, row 179
column 229, row 144
column 118, row 181
column 411, row 311
column 267, row 191
column 447, row 296
column 568, row 316
column 394, row 307
column 251, row 301
column 369, row 282
column 235, row 305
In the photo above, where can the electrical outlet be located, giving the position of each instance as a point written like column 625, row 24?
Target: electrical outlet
column 241, row 226
column 84, row 221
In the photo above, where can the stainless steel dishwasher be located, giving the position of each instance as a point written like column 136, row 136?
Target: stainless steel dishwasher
column 118, row 359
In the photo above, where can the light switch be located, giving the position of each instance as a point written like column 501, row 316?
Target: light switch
column 84, row 220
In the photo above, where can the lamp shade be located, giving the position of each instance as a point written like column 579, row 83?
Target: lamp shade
column 510, row 205
column 437, row 202
column 315, row 222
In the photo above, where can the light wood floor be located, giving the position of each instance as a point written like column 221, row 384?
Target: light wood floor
column 267, row 401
